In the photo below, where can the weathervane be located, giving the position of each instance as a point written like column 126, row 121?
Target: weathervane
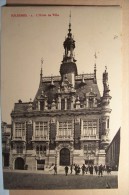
column 95, row 56
column 42, row 62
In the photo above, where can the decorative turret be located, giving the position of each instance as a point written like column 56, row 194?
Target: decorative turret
column 105, row 111
column 68, row 66
column 105, row 83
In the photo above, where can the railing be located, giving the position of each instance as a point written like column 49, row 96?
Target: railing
column 78, row 77
column 85, row 76
column 20, row 138
column 88, row 137
column 40, row 138
column 48, row 79
column 66, row 137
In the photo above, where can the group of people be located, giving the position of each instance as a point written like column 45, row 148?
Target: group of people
column 84, row 169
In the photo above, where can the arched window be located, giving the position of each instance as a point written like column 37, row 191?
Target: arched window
column 44, row 148
column 42, row 105
column 108, row 123
column 68, row 104
column 62, row 104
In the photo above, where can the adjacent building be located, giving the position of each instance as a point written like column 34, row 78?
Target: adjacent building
column 113, row 152
column 67, row 122
column 6, row 138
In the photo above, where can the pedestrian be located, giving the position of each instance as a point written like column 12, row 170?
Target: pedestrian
column 71, row 169
column 51, row 168
column 91, row 169
column 86, row 168
column 83, row 169
column 55, row 169
column 75, row 169
column 96, row 169
column 109, row 170
column 66, row 170
column 101, row 170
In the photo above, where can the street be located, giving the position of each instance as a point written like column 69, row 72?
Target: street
column 35, row 180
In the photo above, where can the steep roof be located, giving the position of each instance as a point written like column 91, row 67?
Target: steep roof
column 50, row 89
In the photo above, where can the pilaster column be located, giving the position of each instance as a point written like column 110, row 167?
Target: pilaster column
column 33, row 129
column 72, row 102
column 94, row 102
column 25, row 129
column 65, row 103
column 82, row 133
column 38, row 105
column 13, row 129
column 59, row 103
column 57, row 129
column 87, row 102
column 45, row 104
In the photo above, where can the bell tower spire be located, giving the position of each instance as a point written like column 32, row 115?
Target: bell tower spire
column 69, row 45
column 68, row 67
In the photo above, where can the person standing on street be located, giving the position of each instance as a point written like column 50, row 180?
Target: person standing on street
column 66, row 170
column 71, row 169
column 101, row 170
column 83, row 169
column 55, row 169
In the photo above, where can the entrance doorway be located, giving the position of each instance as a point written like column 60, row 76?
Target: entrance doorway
column 89, row 162
column 64, row 157
column 40, row 164
column 19, row 163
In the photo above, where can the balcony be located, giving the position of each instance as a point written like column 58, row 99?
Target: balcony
column 89, row 137
column 20, row 138
column 40, row 138
column 64, row 138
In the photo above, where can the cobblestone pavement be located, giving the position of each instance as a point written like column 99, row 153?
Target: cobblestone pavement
column 41, row 180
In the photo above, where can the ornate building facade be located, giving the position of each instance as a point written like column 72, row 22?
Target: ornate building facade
column 66, row 123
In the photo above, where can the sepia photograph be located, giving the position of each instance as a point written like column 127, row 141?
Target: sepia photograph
column 61, row 86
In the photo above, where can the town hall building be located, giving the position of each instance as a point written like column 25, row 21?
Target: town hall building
column 66, row 123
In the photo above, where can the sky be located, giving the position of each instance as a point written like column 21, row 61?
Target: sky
column 41, row 33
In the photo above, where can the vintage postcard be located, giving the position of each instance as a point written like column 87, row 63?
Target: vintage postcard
column 61, row 97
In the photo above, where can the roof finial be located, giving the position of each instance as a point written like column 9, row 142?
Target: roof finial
column 42, row 62
column 70, row 17
column 95, row 56
column 105, row 68
column 41, row 73
column 95, row 68
column 70, row 21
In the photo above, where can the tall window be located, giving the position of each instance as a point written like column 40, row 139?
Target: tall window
column 41, row 129
column 19, row 149
column 40, row 149
column 62, row 104
column 88, row 148
column 90, row 127
column 19, row 129
column 65, row 129
column 42, row 105
column 68, row 103
column 108, row 123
